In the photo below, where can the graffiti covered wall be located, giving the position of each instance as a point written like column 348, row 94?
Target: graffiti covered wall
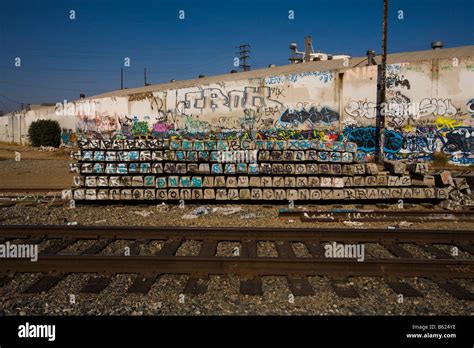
column 429, row 109
column 293, row 102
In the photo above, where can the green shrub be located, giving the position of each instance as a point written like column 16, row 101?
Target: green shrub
column 45, row 133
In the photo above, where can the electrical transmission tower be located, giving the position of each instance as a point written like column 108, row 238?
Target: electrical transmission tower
column 244, row 54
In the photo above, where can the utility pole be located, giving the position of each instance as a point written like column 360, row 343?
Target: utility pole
column 121, row 78
column 13, row 128
column 244, row 54
column 19, row 126
column 381, row 88
column 144, row 75
column 308, row 48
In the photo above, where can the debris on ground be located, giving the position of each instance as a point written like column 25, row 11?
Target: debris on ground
column 201, row 211
column 226, row 211
column 47, row 148
column 353, row 223
column 196, row 213
column 189, row 216
column 142, row 213
column 405, row 224
column 248, row 216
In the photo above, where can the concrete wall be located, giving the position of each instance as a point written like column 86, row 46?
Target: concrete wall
column 430, row 109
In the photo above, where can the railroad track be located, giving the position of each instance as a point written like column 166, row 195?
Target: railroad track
column 245, row 262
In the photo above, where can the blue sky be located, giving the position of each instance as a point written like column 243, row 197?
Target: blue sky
column 61, row 58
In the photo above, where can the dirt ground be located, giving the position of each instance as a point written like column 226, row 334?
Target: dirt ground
column 35, row 169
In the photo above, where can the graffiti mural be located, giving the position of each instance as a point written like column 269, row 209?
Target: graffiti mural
column 323, row 76
column 361, row 109
column 397, row 81
column 68, row 137
column 314, row 116
column 216, row 99
column 435, row 106
column 418, row 143
column 300, row 105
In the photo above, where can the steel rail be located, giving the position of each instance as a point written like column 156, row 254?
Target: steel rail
column 235, row 233
column 242, row 266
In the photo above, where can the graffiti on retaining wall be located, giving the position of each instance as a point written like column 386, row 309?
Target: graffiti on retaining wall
column 100, row 123
column 225, row 106
column 216, row 99
column 323, row 76
column 361, row 109
column 435, row 106
column 140, row 96
column 470, row 107
column 397, row 81
column 68, row 137
column 446, row 123
column 276, row 107
column 313, row 116
column 399, row 109
column 418, row 143
column 460, row 140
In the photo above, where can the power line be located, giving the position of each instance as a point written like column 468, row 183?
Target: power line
column 7, row 109
column 40, row 86
column 1, row 95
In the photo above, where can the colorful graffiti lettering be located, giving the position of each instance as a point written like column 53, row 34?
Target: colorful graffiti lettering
column 324, row 76
column 68, row 137
column 271, row 80
column 446, row 123
column 140, row 128
column 459, row 140
column 419, row 140
column 161, row 127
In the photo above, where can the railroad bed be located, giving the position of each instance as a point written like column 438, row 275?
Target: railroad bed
column 389, row 256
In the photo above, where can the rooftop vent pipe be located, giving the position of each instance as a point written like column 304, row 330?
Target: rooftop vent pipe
column 436, row 45
column 370, row 57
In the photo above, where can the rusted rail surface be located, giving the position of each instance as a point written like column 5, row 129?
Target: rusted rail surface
column 235, row 233
column 242, row 266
